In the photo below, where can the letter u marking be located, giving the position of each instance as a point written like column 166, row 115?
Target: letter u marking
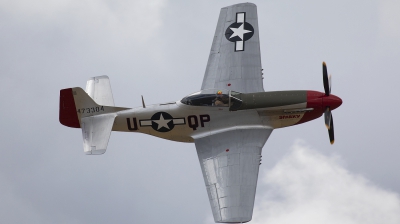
column 135, row 127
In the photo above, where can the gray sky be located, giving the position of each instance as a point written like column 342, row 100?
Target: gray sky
column 159, row 49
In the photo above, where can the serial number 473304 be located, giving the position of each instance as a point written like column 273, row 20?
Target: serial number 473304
column 90, row 110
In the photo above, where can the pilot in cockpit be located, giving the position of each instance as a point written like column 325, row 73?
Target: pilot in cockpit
column 221, row 100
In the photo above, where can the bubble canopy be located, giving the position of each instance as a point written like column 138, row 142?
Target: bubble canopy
column 213, row 98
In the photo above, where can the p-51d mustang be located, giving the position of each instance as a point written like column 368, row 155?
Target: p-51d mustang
column 229, row 120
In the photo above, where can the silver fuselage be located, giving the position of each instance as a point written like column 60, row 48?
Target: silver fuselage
column 195, row 126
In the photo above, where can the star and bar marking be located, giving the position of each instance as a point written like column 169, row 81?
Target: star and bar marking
column 162, row 122
column 240, row 31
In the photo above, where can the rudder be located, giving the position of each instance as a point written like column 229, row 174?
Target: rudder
column 68, row 115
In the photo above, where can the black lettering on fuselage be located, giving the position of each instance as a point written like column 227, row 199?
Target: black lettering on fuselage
column 204, row 118
column 193, row 122
column 135, row 126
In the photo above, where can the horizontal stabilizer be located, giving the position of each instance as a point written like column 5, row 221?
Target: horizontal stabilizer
column 96, row 131
column 99, row 89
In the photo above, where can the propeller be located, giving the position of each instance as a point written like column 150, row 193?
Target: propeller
column 331, row 132
column 328, row 114
column 327, row 80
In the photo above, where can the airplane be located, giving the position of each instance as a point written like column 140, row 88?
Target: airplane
column 229, row 119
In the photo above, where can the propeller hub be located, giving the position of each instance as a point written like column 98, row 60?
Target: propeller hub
column 331, row 101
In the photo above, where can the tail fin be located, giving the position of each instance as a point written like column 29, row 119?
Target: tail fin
column 76, row 104
column 79, row 110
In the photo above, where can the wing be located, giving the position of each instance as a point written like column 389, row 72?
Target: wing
column 235, row 60
column 229, row 162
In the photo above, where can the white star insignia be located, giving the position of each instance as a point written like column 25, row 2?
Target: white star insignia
column 239, row 32
column 162, row 122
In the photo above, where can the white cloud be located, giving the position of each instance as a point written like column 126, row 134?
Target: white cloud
column 308, row 187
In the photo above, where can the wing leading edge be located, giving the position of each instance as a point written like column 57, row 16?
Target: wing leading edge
column 230, row 163
column 234, row 62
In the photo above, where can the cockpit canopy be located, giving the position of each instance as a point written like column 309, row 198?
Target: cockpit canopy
column 214, row 98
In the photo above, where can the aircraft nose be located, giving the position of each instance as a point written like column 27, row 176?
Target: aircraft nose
column 332, row 101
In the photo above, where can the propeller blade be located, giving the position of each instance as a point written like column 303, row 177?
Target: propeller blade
column 330, row 83
column 328, row 116
column 331, row 133
column 325, row 79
